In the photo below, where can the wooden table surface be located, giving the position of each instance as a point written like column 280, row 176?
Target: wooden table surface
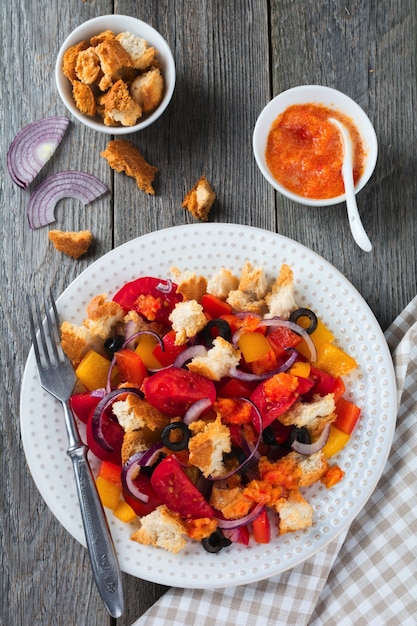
column 231, row 58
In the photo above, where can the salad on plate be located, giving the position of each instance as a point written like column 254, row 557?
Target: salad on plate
column 212, row 404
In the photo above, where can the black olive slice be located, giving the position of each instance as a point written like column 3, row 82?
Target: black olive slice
column 215, row 328
column 179, row 428
column 215, row 542
column 113, row 344
column 311, row 316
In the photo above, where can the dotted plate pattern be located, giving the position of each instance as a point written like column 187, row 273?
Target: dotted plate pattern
column 205, row 248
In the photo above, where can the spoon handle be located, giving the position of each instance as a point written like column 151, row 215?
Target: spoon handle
column 355, row 223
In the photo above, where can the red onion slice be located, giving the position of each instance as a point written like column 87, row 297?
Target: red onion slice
column 129, row 471
column 228, row 524
column 196, row 409
column 72, row 184
column 32, row 148
column 189, row 353
column 316, row 446
column 234, row 372
column 165, row 287
column 96, row 424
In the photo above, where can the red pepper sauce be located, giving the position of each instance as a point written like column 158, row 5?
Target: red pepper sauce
column 304, row 151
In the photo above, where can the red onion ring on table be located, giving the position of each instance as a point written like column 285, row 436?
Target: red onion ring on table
column 32, row 148
column 43, row 200
column 229, row 524
column 96, row 424
column 316, row 446
column 234, row 372
column 275, row 322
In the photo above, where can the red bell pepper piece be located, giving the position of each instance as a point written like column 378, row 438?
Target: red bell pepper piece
column 282, row 338
column 347, row 415
column 130, row 367
column 177, row 491
column 262, row 528
column 214, row 306
column 171, row 351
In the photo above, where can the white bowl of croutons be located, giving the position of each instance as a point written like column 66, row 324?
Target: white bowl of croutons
column 115, row 74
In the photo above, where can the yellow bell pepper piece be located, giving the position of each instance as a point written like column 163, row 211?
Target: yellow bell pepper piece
column 336, row 441
column 124, row 512
column 109, row 492
column 93, row 370
column 334, row 360
column 253, row 346
column 319, row 337
column 146, row 345
column 300, row 369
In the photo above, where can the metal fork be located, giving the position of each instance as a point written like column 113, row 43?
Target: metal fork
column 57, row 377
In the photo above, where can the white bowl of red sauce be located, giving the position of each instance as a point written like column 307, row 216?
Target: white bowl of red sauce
column 300, row 152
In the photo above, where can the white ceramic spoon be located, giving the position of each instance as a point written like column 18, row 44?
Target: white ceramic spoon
column 355, row 223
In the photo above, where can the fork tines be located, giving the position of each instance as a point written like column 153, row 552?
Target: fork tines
column 46, row 343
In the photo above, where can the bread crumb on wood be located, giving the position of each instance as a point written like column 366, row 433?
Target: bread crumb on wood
column 74, row 244
column 122, row 156
column 199, row 200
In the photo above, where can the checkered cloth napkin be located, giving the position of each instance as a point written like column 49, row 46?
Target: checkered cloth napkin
column 368, row 575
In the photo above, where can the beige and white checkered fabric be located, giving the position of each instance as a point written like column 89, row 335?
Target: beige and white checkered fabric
column 368, row 576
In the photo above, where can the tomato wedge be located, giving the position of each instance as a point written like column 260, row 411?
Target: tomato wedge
column 274, row 396
column 262, row 528
column 83, row 403
column 178, row 492
column 174, row 390
column 170, row 352
column 151, row 297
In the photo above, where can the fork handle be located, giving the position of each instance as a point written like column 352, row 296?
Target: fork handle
column 104, row 563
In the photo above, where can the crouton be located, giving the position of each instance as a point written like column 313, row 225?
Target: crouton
column 117, row 106
column 253, row 281
column 73, row 244
column 187, row 320
column 122, row 156
column 232, row 503
column 138, row 324
column 148, row 90
column 133, row 441
column 84, row 98
column 294, row 512
column 251, row 290
column 191, row 286
column 106, row 35
column 222, row 283
column 87, row 66
column 134, row 413
column 162, row 529
column 313, row 415
column 113, row 58
column 103, row 316
column 217, row 362
column 207, row 447
column 141, row 54
column 70, row 59
column 312, row 466
column 76, row 341
column 280, row 300
column 199, row 200
column 201, row 527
